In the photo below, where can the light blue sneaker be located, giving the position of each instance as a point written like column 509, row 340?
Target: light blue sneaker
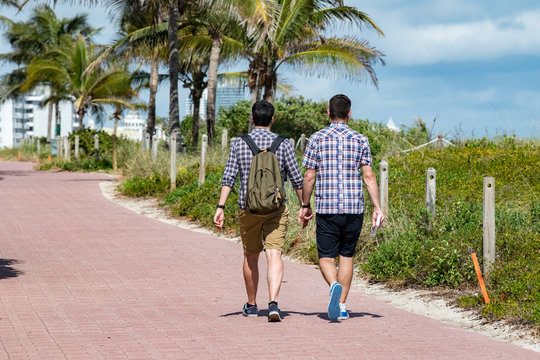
column 343, row 313
column 333, row 303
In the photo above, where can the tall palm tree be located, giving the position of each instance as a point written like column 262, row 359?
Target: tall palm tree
column 297, row 40
column 32, row 39
column 65, row 67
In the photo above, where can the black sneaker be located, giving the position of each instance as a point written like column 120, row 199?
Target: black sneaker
column 274, row 314
column 250, row 311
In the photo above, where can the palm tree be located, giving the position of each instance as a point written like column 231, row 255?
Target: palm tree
column 33, row 38
column 65, row 68
column 297, row 40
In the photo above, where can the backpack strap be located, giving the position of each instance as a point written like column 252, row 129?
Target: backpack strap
column 277, row 141
column 273, row 148
column 249, row 141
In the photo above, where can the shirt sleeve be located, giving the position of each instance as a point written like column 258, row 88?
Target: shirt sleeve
column 366, row 153
column 291, row 165
column 231, row 168
column 310, row 155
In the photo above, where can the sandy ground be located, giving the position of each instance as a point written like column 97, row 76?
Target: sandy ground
column 420, row 302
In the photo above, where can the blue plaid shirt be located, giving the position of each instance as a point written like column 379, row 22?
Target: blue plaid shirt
column 240, row 157
column 337, row 153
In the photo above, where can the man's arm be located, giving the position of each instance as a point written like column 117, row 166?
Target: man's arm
column 305, row 214
column 219, row 217
column 371, row 185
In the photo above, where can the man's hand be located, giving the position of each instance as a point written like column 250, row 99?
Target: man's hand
column 304, row 215
column 376, row 213
column 219, row 217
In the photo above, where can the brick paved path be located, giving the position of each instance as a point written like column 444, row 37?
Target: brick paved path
column 83, row 278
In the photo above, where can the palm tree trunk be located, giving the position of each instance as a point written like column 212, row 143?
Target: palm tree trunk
column 154, row 68
column 270, row 83
column 57, row 119
column 196, row 96
column 212, row 87
column 114, row 153
column 174, row 116
column 255, row 97
column 49, row 122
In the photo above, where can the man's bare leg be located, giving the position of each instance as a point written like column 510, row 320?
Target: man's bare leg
column 275, row 273
column 251, row 276
column 328, row 269
column 344, row 276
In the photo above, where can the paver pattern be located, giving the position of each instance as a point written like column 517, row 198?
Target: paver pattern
column 83, row 278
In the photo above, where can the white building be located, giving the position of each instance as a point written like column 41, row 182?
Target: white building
column 226, row 95
column 24, row 118
column 132, row 127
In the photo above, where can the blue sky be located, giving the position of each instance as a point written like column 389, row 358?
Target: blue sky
column 474, row 65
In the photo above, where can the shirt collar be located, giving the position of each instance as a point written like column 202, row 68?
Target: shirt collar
column 338, row 124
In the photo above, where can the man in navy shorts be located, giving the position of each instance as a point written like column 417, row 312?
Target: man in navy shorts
column 337, row 157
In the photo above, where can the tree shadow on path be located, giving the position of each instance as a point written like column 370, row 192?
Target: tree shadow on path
column 7, row 271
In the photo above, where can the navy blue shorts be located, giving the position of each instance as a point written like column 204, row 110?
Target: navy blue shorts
column 337, row 234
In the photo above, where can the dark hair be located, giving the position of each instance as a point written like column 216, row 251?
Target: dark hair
column 262, row 112
column 339, row 107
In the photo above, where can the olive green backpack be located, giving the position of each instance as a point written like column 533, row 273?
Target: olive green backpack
column 265, row 191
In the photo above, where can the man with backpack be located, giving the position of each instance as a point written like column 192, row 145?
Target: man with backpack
column 337, row 157
column 263, row 159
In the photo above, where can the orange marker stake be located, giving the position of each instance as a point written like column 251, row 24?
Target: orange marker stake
column 480, row 280
column 49, row 157
column 19, row 155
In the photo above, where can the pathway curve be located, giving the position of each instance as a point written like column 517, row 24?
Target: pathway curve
column 83, row 278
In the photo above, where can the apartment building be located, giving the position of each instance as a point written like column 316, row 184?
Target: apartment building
column 25, row 118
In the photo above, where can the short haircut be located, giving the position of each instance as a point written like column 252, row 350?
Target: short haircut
column 262, row 112
column 339, row 107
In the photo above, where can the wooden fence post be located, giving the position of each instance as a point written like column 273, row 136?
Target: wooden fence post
column 291, row 140
column 302, row 142
column 172, row 149
column 59, row 147
column 224, row 136
column 77, row 147
column 143, row 137
column 489, row 223
column 431, row 182
column 439, row 141
column 383, row 186
column 96, row 147
column 147, row 141
column 67, row 148
column 38, row 146
column 202, row 168
column 154, row 147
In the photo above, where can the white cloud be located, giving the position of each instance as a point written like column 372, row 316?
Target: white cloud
column 480, row 40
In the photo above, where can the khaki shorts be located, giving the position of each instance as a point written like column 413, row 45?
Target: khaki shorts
column 260, row 232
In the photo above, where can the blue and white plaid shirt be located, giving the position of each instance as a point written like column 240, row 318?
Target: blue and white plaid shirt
column 240, row 157
column 337, row 153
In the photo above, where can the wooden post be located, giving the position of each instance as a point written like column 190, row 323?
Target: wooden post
column 38, row 146
column 489, row 223
column 383, row 186
column 224, row 136
column 59, row 146
column 431, row 181
column 439, row 141
column 202, row 168
column 172, row 149
column 67, row 148
column 154, row 147
column 147, row 141
column 143, row 136
column 302, row 142
column 96, row 147
column 77, row 147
